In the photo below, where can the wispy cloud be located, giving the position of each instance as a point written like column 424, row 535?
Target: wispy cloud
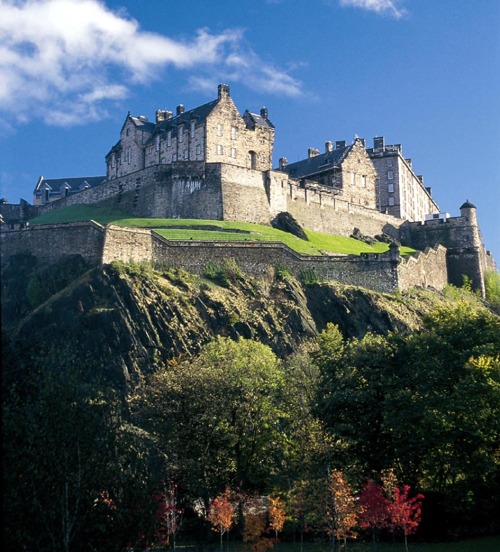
column 387, row 7
column 65, row 60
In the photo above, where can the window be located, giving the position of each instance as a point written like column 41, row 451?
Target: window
column 169, row 138
column 253, row 159
column 233, row 133
column 389, row 161
column 219, row 129
column 113, row 160
column 390, row 188
column 174, row 157
column 181, row 134
column 157, row 142
column 353, row 178
column 390, row 175
column 129, row 155
column 233, row 153
column 186, row 154
column 391, row 201
column 219, row 149
column 198, row 149
column 363, row 181
column 127, row 132
column 192, row 128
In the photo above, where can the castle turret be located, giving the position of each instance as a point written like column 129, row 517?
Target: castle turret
column 468, row 212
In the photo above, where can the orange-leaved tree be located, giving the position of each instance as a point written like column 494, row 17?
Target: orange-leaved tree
column 341, row 509
column 222, row 513
column 277, row 515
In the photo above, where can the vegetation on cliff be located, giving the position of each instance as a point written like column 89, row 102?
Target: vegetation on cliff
column 123, row 380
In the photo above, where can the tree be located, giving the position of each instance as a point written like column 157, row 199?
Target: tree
column 277, row 515
column 404, row 512
column 220, row 418
column 168, row 515
column 373, row 508
column 341, row 509
column 222, row 513
column 256, row 530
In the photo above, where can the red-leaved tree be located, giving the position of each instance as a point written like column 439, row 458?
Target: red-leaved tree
column 374, row 508
column 168, row 516
column 405, row 512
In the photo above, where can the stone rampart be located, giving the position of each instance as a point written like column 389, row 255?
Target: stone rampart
column 127, row 245
column 424, row 269
column 51, row 242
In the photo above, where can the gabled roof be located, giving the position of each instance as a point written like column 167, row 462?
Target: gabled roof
column 142, row 123
column 58, row 185
column 317, row 164
column 257, row 120
column 199, row 113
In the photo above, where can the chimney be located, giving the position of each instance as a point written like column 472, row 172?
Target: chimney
column 180, row 109
column 223, row 91
column 312, row 152
column 283, row 163
column 363, row 142
column 378, row 143
column 429, row 190
column 264, row 113
column 409, row 162
column 162, row 115
column 421, row 178
column 328, row 146
column 340, row 144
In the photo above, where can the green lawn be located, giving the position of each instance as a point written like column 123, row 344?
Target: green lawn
column 216, row 230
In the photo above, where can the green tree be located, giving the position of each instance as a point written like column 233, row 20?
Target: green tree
column 221, row 418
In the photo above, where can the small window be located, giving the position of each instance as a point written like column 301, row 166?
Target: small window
column 186, row 154
column 391, row 201
column 113, row 161
column 233, row 133
column 127, row 132
column 363, row 181
column 169, row 138
column 219, row 129
column 353, row 178
column 192, row 128
column 233, row 153
column 174, row 157
column 390, row 188
column 198, row 149
column 181, row 134
column 129, row 155
column 389, row 161
column 157, row 142
column 219, row 149
column 390, row 175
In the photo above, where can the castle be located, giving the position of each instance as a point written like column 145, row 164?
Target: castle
column 210, row 162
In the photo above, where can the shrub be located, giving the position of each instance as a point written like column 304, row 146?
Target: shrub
column 282, row 272
column 492, row 285
column 309, row 276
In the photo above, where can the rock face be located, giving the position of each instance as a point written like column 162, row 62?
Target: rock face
column 286, row 222
column 125, row 321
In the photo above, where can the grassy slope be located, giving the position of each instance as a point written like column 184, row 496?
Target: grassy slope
column 185, row 229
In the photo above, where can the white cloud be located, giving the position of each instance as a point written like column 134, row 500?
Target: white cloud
column 63, row 60
column 389, row 7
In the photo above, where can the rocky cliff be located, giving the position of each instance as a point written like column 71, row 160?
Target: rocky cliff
column 123, row 321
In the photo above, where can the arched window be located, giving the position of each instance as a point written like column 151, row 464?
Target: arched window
column 253, row 159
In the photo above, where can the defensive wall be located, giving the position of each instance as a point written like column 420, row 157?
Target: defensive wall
column 385, row 272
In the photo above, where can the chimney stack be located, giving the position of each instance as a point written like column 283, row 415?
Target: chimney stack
column 180, row 109
column 223, row 90
column 340, row 144
column 312, row 152
column 283, row 163
column 162, row 115
column 328, row 146
column 264, row 113
column 378, row 143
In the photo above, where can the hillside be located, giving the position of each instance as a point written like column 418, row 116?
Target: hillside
column 127, row 320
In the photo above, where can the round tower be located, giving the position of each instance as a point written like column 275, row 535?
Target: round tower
column 468, row 212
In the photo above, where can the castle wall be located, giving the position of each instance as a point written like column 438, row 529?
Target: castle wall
column 378, row 272
column 127, row 245
column 325, row 212
column 461, row 236
column 51, row 242
column 424, row 269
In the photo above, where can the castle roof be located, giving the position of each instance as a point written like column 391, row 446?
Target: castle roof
column 199, row 113
column 57, row 186
column 317, row 164
column 468, row 205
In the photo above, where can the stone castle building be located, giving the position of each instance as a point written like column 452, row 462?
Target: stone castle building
column 210, row 162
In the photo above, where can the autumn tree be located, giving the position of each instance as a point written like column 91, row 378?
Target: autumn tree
column 168, row 515
column 277, row 515
column 405, row 512
column 256, row 529
column 373, row 508
column 222, row 513
column 341, row 508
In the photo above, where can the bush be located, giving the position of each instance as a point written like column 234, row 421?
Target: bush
column 227, row 273
column 282, row 272
column 492, row 284
column 309, row 276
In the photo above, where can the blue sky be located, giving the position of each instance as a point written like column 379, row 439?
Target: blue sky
column 421, row 73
